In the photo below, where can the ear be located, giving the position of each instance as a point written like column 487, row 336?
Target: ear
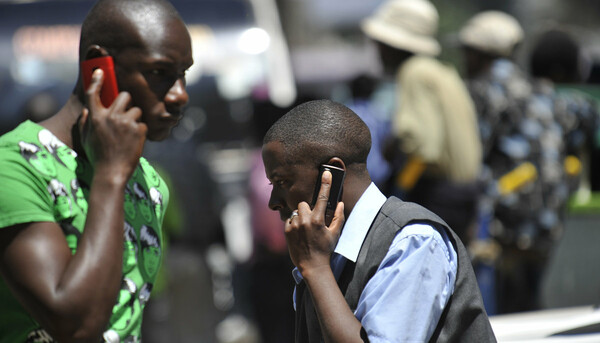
column 337, row 162
column 94, row 51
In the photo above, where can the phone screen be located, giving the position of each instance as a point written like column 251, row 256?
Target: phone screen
column 335, row 194
column 109, row 90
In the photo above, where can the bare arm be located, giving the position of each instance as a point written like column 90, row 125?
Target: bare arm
column 311, row 243
column 72, row 296
column 338, row 323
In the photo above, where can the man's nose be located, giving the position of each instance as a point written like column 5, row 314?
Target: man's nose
column 177, row 94
column 274, row 202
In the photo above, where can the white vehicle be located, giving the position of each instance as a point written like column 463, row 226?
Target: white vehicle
column 572, row 324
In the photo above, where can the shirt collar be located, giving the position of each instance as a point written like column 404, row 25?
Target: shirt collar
column 359, row 221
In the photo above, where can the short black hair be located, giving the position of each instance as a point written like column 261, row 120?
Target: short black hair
column 105, row 21
column 556, row 56
column 315, row 131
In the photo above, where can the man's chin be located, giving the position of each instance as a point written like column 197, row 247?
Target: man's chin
column 158, row 135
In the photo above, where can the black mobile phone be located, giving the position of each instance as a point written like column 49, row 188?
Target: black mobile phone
column 335, row 193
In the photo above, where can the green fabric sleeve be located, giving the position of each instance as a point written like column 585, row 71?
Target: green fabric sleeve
column 23, row 194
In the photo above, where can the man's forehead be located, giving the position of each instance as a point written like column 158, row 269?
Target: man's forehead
column 273, row 154
column 150, row 25
column 276, row 160
column 166, row 44
column 159, row 30
column 282, row 154
column 281, row 168
column 147, row 21
column 149, row 12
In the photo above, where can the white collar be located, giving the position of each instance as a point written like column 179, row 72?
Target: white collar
column 359, row 221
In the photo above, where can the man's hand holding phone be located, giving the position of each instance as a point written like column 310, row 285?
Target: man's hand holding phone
column 113, row 137
column 310, row 241
column 335, row 191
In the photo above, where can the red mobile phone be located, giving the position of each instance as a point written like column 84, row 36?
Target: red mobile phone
column 335, row 193
column 109, row 90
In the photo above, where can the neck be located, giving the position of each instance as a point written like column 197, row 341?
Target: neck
column 62, row 124
column 353, row 190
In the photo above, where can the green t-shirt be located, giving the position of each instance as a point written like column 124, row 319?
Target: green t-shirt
column 42, row 179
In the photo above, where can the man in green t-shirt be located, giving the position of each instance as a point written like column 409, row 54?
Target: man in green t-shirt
column 80, row 210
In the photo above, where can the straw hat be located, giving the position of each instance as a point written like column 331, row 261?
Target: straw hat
column 493, row 32
column 405, row 24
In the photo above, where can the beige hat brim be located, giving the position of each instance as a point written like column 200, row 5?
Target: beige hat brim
column 399, row 38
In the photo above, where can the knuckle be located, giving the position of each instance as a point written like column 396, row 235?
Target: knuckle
column 291, row 228
column 143, row 129
column 95, row 120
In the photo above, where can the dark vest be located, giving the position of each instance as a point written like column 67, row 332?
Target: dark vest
column 464, row 318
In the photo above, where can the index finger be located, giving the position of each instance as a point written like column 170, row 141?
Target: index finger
column 323, row 197
column 92, row 93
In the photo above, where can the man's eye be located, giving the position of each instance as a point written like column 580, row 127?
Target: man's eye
column 157, row 72
column 278, row 183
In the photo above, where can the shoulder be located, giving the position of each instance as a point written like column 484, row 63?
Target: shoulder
column 422, row 244
column 423, row 66
column 429, row 73
column 421, row 234
column 412, row 220
column 422, row 229
column 21, row 149
column 26, row 130
column 152, row 178
column 577, row 100
column 27, row 170
column 422, row 63
column 403, row 212
column 150, row 171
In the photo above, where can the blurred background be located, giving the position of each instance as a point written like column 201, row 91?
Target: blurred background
column 226, row 276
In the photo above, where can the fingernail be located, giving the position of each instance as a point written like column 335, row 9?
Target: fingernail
column 97, row 72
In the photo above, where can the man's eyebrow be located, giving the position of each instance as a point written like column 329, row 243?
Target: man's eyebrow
column 163, row 61
column 166, row 61
column 277, row 175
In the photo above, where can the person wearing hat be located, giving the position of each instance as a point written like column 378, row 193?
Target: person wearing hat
column 488, row 36
column 527, row 133
column 488, row 41
column 435, row 145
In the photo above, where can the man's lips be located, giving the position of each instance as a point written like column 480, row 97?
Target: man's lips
column 284, row 216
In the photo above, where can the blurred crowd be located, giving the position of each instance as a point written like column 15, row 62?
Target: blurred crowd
column 500, row 147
